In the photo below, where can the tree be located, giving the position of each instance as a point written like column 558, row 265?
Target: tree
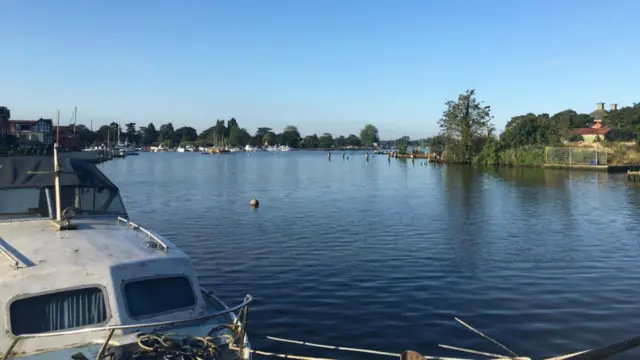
column 369, row 135
column 290, row 136
column 149, row 134
column 353, row 140
column 340, row 141
column 166, row 134
column 185, row 134
column 85, row 136
column 311, row 141
column 219, row 132
column 463, row 121
column 623, row 123
column 232, row 123
column 238, row 136
column 530, row 129
column 402, row 144
column 436, row 145
column 131, row 134
column 325, row 141
column 269, row 139
column 116, row 132
column 104, row 134
column 569, row 119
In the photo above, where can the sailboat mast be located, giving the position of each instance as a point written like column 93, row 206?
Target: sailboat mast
column 75, row 118
column 56, row 168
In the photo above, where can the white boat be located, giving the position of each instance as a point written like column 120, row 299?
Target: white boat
column 181, row 149
column 79, row 280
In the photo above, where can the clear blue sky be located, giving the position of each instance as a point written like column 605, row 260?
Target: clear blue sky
column 323, row 65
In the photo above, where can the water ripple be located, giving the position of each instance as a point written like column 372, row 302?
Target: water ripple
column 383, row 255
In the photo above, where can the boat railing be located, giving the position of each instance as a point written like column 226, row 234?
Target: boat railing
column 150, row 235
column 243, row 307
column 8, row 254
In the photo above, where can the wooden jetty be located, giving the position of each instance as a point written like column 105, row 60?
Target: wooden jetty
column 633, row 175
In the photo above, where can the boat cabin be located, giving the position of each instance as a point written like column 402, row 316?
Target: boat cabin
column 105, row 271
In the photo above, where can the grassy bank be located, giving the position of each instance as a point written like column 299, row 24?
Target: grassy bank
column 526, row 156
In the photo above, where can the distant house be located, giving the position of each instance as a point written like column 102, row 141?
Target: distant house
column 590, row 134
column 37, row 131
column 69, row 139
column 5, row 115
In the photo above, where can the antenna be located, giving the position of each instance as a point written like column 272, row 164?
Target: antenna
column 75, row 118
column 56, row 169
column 68, row 212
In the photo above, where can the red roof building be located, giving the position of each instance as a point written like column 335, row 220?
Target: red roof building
column 596, row 130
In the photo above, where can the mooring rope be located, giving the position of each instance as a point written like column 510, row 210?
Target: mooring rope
column 203, row 348
column 366, row 351
column 486, row 337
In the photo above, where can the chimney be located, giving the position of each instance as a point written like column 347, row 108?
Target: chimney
column 613, row 107
column 600, row 106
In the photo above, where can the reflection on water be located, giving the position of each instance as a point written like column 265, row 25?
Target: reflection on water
column 354, row 253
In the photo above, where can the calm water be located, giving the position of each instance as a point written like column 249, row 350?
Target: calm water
column 383, row 255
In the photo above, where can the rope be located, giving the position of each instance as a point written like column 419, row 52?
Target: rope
column 486, row 337
column 190, row 347
column 471, row 351
column 373, row 352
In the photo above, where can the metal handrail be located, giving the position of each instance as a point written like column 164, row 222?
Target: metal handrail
column 248, row 299
column 151, row 236
column 10, row 256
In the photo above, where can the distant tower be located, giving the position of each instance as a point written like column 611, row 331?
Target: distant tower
column 598, row 115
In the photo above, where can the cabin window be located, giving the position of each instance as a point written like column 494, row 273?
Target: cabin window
column 158, row 295
column 58, row 311
column 23, row 203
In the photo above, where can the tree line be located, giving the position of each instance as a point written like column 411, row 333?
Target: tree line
column 227, row 133
column 467, row 134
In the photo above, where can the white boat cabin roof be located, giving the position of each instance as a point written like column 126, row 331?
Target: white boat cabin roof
column 94, row 247
column 104, row 271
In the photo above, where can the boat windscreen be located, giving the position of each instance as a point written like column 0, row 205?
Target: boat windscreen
column 40, row 203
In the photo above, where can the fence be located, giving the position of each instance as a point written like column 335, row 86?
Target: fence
column 575, row 156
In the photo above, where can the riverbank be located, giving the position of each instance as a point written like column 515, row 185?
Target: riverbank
column 336, row 149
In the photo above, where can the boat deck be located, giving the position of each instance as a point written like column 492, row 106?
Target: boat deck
column 35, row 244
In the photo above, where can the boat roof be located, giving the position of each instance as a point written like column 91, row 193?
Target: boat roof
column 18, row 172
column 96, row 246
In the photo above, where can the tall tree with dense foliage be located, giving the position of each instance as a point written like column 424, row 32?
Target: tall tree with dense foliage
column 325, row 141
column 166, row 133
column 530, row 129
column 269, row 138
column 353, row 140
column 291, row 136
column 624, row 123
column 130, row 133
column 369, row 135
column 149, row 134
column 463, row 121
column 185, row 134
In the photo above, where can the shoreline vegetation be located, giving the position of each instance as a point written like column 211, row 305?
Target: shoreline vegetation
column 467, row 136
column 224, row 133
